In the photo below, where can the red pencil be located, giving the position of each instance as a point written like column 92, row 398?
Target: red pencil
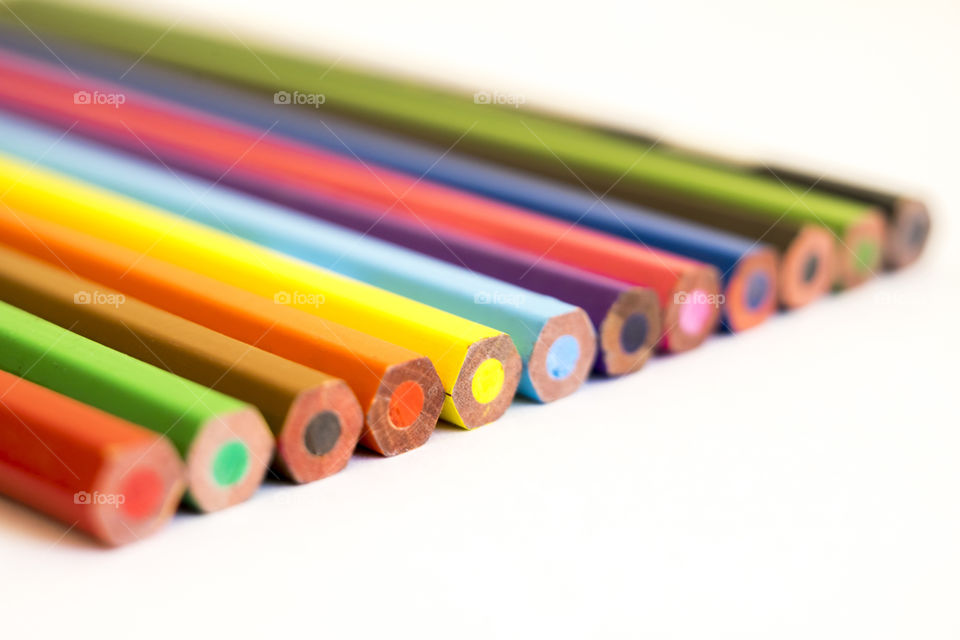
column 243, row 157
column 89, row 469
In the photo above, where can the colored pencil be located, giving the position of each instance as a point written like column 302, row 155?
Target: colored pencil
column 688, row 291
column 550, row 146
column 315, row 417
column 555, row 340
column 399, row 390
column 626, row 318
column 88, row 469
column 479, row 366
column 748, row 269
column 224, row 442
column 907, row 217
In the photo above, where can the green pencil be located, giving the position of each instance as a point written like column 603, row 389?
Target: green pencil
column 907, row 217
column 225, row 443
column 606, row 163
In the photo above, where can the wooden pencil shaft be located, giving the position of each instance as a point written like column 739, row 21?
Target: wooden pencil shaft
column 372, row 367
column 276, row 386
column 529, row 318
column 448, row 339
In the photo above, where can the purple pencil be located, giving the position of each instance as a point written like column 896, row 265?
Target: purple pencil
column 626, row 317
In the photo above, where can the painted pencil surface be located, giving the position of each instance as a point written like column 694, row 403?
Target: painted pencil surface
column 550, row 146
column 748, row 269
column 626, row 318
column 224, row 442
column 399, row 390
column 315, row 417
column 479, row 366
column 687, row 290
column 555, row 339
column 87, row 468
column 907, row 218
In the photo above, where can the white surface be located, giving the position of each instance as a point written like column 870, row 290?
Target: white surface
column 796, row 481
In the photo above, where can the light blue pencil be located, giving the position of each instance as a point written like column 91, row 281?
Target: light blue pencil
column 555, row 339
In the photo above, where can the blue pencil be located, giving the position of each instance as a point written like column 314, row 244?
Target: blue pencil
column 749, row 269
column 555, row 339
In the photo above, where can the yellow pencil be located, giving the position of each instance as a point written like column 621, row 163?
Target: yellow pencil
column 479, row 366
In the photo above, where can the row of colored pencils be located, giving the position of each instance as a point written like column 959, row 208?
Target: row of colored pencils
column 220, row 261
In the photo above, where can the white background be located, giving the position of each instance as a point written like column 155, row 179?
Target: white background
column 797, row 481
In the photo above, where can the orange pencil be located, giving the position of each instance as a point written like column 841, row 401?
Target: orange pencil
column 91, row 470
